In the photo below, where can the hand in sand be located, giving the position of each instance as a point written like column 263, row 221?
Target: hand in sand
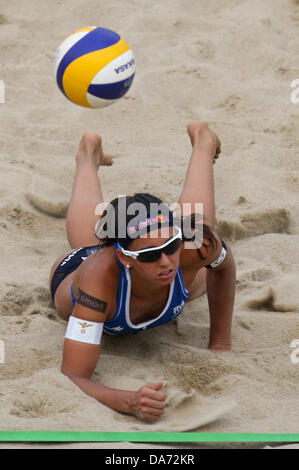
column 149, row 402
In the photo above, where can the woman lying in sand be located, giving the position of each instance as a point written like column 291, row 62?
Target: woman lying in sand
column 141, row 278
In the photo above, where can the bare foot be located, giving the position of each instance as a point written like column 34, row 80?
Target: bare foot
column 90, row 148
column 199, row 132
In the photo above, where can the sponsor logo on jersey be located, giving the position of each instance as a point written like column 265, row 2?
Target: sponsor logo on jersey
column 178, row 309
column 70, row 256
column 117, row 328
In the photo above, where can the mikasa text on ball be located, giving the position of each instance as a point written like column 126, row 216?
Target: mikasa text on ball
column 94, row 67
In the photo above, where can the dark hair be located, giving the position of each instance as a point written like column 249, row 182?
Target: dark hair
column 119, row 207
column 116, row 223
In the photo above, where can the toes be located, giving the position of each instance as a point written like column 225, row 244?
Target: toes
column 216, row 157
column 107, row 160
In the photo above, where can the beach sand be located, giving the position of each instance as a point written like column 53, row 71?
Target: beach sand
column 230, row 64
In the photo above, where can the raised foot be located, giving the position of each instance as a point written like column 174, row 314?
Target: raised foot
column 90, row 148
column 199, row 132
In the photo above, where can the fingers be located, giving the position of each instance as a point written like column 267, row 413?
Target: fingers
column 156, row 386
column 149, row 417
column 148, row 413
column 151, row 402
column 152, row 391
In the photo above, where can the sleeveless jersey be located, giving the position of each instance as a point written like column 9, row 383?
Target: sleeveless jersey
column 121, row 324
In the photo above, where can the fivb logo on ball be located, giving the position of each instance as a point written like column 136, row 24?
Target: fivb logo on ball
column 94, row 67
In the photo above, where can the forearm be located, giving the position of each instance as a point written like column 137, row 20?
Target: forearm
column 118, row 400
column 221, row 295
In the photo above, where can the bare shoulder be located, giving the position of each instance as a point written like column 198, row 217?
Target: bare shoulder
column 96, row 286
column 102, row 263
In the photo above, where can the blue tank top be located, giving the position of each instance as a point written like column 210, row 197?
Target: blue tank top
column 121, row 324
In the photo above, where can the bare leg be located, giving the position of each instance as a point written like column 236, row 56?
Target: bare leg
column 199, row 181
column 199, row 184
column 62, row 298
column 87, row 193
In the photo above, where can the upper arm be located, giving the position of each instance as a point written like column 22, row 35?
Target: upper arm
column 94, row 299
column 94, row 295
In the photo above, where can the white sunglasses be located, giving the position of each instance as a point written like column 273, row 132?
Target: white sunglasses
column 150, row 255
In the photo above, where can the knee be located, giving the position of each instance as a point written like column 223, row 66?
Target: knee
column 63, row 301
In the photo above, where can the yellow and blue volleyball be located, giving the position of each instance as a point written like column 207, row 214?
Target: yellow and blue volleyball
column 94, row 67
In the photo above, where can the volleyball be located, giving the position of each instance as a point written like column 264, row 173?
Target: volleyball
column 94, row 67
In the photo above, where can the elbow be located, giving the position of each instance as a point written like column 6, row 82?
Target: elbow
column 231, row 264
column 74, row 375
column 67, row 372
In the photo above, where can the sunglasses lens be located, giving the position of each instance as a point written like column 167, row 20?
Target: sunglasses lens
column 173, row 247
column 152, row 256
column 149, row 257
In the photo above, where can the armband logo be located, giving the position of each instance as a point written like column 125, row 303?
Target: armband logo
column 90, row 302
column 84, row 325
column 220, row 259
column 78, row 329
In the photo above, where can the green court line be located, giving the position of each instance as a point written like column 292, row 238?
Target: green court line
column 77, row 436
